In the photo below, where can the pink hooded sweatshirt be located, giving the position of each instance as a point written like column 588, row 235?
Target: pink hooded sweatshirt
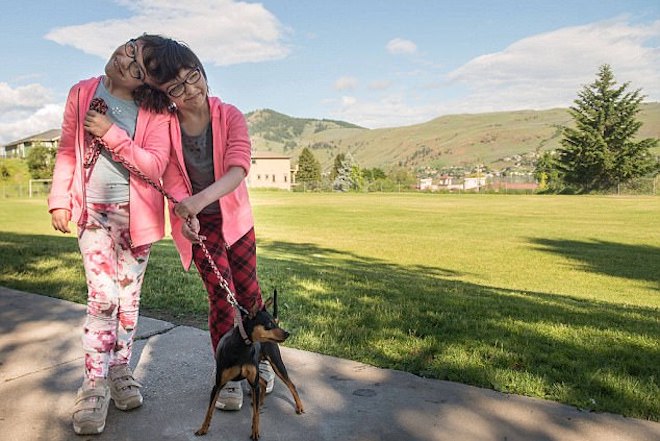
column 231, row 148
column 148, row 151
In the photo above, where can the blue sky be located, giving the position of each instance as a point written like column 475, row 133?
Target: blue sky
column 374, row 63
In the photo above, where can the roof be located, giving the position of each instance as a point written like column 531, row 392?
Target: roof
column 49, row 135
column 268, row 155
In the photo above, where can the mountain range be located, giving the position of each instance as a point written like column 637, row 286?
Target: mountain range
column 492, row 139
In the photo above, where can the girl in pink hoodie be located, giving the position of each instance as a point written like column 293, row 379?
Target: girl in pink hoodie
column 211, row 157
column 118, row 217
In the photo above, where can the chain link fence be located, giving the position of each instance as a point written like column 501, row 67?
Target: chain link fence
column 39, row 188
column 32, row 189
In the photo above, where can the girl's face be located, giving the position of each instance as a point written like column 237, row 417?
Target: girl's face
column 125, row 66
column 188, row 90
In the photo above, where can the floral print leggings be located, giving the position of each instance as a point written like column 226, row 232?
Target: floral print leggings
column 114, row 272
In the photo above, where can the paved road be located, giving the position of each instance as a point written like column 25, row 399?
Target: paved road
column 41, row 368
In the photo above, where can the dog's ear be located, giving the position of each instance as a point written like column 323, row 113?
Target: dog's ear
column 254, row 310
column 268, row 303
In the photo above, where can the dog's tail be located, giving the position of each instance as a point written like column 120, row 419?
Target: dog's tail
column 275, row 303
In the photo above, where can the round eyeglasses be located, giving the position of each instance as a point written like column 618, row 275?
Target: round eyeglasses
column 134, row 68
column 178, row 89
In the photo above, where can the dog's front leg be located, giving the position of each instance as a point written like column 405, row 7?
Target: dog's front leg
column 275, row 358
column 252, row 376
column 209, row 412
column 222, row 376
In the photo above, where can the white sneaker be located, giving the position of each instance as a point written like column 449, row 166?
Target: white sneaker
column 266, row 372
column 231, row 397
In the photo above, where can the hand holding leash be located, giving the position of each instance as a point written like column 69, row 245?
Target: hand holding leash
column 97, row 124
column 190, row 230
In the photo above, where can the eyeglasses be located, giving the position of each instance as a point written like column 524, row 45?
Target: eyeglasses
column 178, row 89
column 134, row 68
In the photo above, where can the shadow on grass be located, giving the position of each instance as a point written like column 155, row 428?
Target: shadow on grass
column 415, row 318
column 635, row 262
column 419, row 319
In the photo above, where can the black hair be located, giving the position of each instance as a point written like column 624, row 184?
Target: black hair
column 164, row 58
column 151, row 99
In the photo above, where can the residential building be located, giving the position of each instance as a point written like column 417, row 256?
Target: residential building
column 21, row 147
column 270, row 170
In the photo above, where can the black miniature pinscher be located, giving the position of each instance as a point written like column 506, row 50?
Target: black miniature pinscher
column 237, row 357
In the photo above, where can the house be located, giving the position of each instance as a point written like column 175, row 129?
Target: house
column 444, row 181
column 474, row 182
column 20, row 148
column 426, row 184
column 270, row 170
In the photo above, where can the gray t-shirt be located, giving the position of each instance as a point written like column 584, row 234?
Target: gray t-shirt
column 198, row 156
column 108, row 182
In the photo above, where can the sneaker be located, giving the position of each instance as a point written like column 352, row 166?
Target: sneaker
column 231, row 396
column 124, row 390
column 91, row 408
column 266, row 372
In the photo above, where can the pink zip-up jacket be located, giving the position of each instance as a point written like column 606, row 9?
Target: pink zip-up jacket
column 231, row 148
column 148, row 151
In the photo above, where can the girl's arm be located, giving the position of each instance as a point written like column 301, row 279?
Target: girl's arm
column 237, row 160
column 150, row 154
column 65, row 161
column 226, row 184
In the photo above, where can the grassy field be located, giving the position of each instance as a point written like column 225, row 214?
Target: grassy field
column 548, row 296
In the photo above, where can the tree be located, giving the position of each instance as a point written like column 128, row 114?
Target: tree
column 309, row 169
column 349, row 175
column 402, row 178
column 5, row 173
column 41, row 162
column 344, row 170
column 337, row 165
column 547, row 173
column 600, row 152
column 373, row 174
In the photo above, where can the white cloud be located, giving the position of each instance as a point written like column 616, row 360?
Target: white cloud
column 19, row 124
column 27, row 110
column 31, row 96
column 547, row 70
column 345, row 82
column 389, row 111
column 380, row 84
column 222, row 32
column 539, row 72
column 348, row 101
column 401, row 46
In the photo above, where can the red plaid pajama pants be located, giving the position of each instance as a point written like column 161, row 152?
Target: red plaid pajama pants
column 238, row 266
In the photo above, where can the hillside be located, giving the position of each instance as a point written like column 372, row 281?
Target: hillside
column 493, row 139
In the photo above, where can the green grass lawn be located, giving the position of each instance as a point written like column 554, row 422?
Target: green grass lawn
column 548, row 296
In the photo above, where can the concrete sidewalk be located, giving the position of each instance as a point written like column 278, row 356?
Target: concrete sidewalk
column 41, row 368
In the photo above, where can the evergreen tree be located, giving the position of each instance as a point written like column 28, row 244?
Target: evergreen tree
column 309, row 169
column 337, row 165
column 600, row 152
column 349, row 175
